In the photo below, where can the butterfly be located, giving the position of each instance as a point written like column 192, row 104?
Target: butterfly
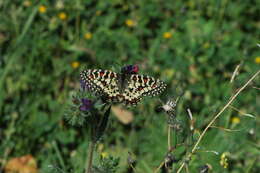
column 128, row 88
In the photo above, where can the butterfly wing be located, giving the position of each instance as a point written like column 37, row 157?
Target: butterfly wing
column 139, row 86
column 102, row 82
column 106, row 83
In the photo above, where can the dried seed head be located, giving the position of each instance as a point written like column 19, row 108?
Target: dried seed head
column 169, row 106
column 205, row 168
column 169, row 160
column 130, row 160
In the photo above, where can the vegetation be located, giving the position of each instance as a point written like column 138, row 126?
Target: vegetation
column 204, row 50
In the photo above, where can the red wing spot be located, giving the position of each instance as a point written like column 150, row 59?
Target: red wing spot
column 140, row 88
column 112, row 75
column 101, row 73
column 154, row 85
column 91, row 76
column 145, row 80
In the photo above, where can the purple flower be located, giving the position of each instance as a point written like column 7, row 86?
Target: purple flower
column 86, row 104
column 130, row 69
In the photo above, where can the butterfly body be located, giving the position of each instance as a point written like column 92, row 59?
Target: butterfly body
column 121, row 87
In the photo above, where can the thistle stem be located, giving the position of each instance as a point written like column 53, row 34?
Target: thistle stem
column 169, row 139
column 91, row 148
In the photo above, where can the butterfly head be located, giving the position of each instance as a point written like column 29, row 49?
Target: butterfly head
column 130, row 69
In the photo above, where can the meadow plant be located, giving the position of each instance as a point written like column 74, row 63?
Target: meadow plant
column 93, row 111
column 89, row 111
column 169, row 108
column 210, row 47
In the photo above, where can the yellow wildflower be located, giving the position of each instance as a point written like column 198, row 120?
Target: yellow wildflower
column 88, row 36
column 104, row 155
column 167, row 35
column 191, row 4
column 63, row 16
column 235, row 120
column 100, row 147
column 27, row 3
column 168, row 73
column 130, row 23
column 59, row 4
column 73, row 153
column 206, row 45
column 257, row 60
column 156, row 68
column 125, row 7
column 75, row 64
column 42, row 9
column 223, row 160
column 98, row 12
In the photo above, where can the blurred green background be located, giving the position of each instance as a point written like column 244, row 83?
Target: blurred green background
column 194, row 46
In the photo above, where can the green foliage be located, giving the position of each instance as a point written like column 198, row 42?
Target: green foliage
column 107, row 165
column 194, row 46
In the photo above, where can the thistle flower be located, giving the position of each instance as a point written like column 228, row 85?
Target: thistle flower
column 86, row 104
column 130, row 69
column 78, row 111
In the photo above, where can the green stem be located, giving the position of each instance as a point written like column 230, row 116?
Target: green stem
column 91, row 148
column 169, row 138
